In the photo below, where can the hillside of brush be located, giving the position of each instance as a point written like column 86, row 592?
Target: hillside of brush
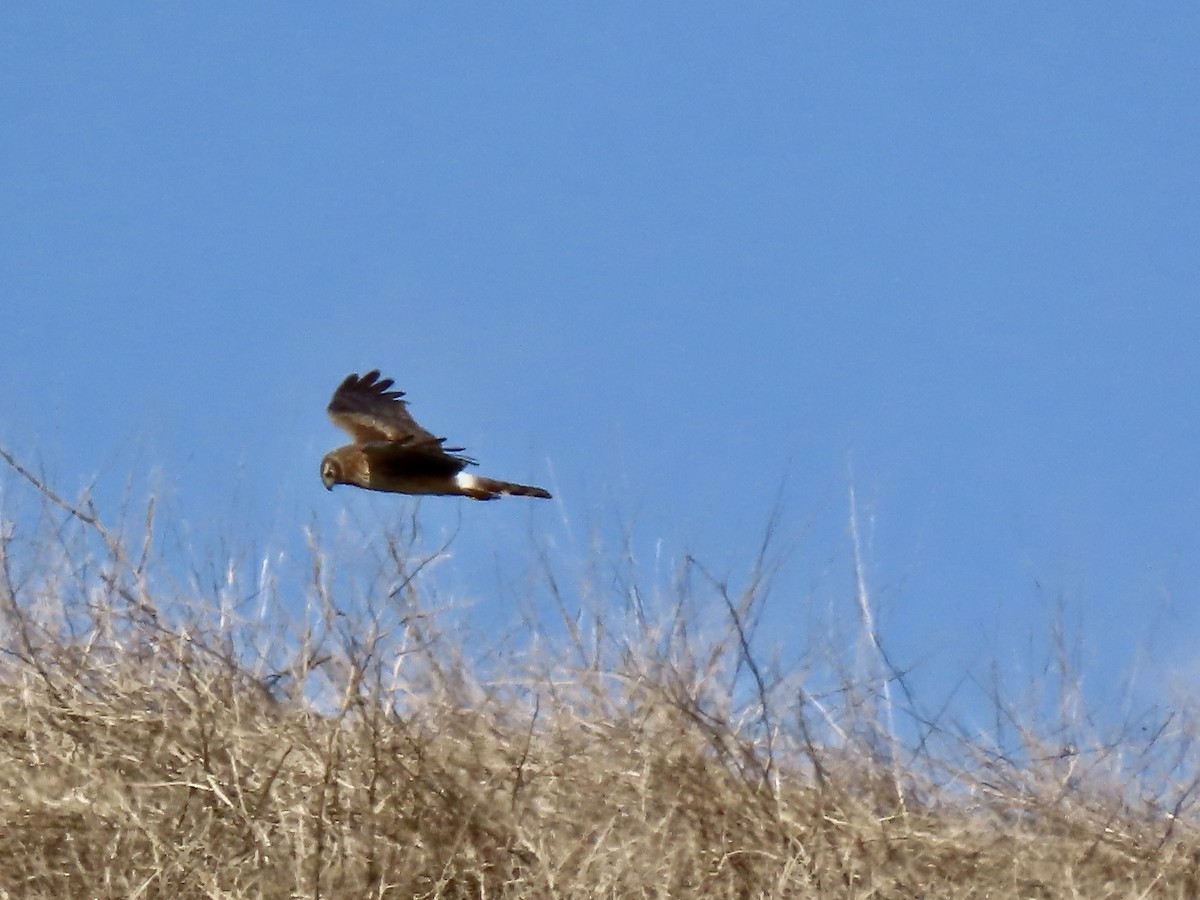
column 281, row 730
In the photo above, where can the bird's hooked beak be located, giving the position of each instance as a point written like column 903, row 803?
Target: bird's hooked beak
column 328, row 475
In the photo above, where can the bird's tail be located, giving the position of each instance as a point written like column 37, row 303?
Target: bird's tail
column 480, row 488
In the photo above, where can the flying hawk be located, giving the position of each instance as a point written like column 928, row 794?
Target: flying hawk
column 391, row 452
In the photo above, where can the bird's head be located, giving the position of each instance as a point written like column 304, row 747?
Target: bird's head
column 331, row 472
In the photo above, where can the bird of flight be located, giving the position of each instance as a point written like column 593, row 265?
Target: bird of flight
column 391, row 452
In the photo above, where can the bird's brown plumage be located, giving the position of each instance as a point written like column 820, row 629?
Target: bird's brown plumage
column 391, row 452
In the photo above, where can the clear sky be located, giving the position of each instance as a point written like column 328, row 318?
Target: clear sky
column 669, row 260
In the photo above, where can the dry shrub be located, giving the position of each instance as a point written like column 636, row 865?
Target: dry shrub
column 164, row 738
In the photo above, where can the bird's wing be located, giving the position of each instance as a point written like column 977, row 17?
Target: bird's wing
column 365, row 408
column 392, row 459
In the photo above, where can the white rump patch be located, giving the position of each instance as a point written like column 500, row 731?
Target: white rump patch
column 466, row 481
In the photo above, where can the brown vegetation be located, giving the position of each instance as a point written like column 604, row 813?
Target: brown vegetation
column 163, row 738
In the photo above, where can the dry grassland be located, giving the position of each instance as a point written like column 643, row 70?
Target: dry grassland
column 177, row 736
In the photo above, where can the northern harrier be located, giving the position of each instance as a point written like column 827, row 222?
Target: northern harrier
column 391, row 452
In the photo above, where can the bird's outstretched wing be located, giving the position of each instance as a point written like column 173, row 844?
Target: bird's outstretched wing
column 366, row 408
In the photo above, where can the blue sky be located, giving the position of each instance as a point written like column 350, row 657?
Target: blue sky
column 669, row 260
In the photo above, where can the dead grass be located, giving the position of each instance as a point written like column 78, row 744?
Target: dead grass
column 243, row 736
